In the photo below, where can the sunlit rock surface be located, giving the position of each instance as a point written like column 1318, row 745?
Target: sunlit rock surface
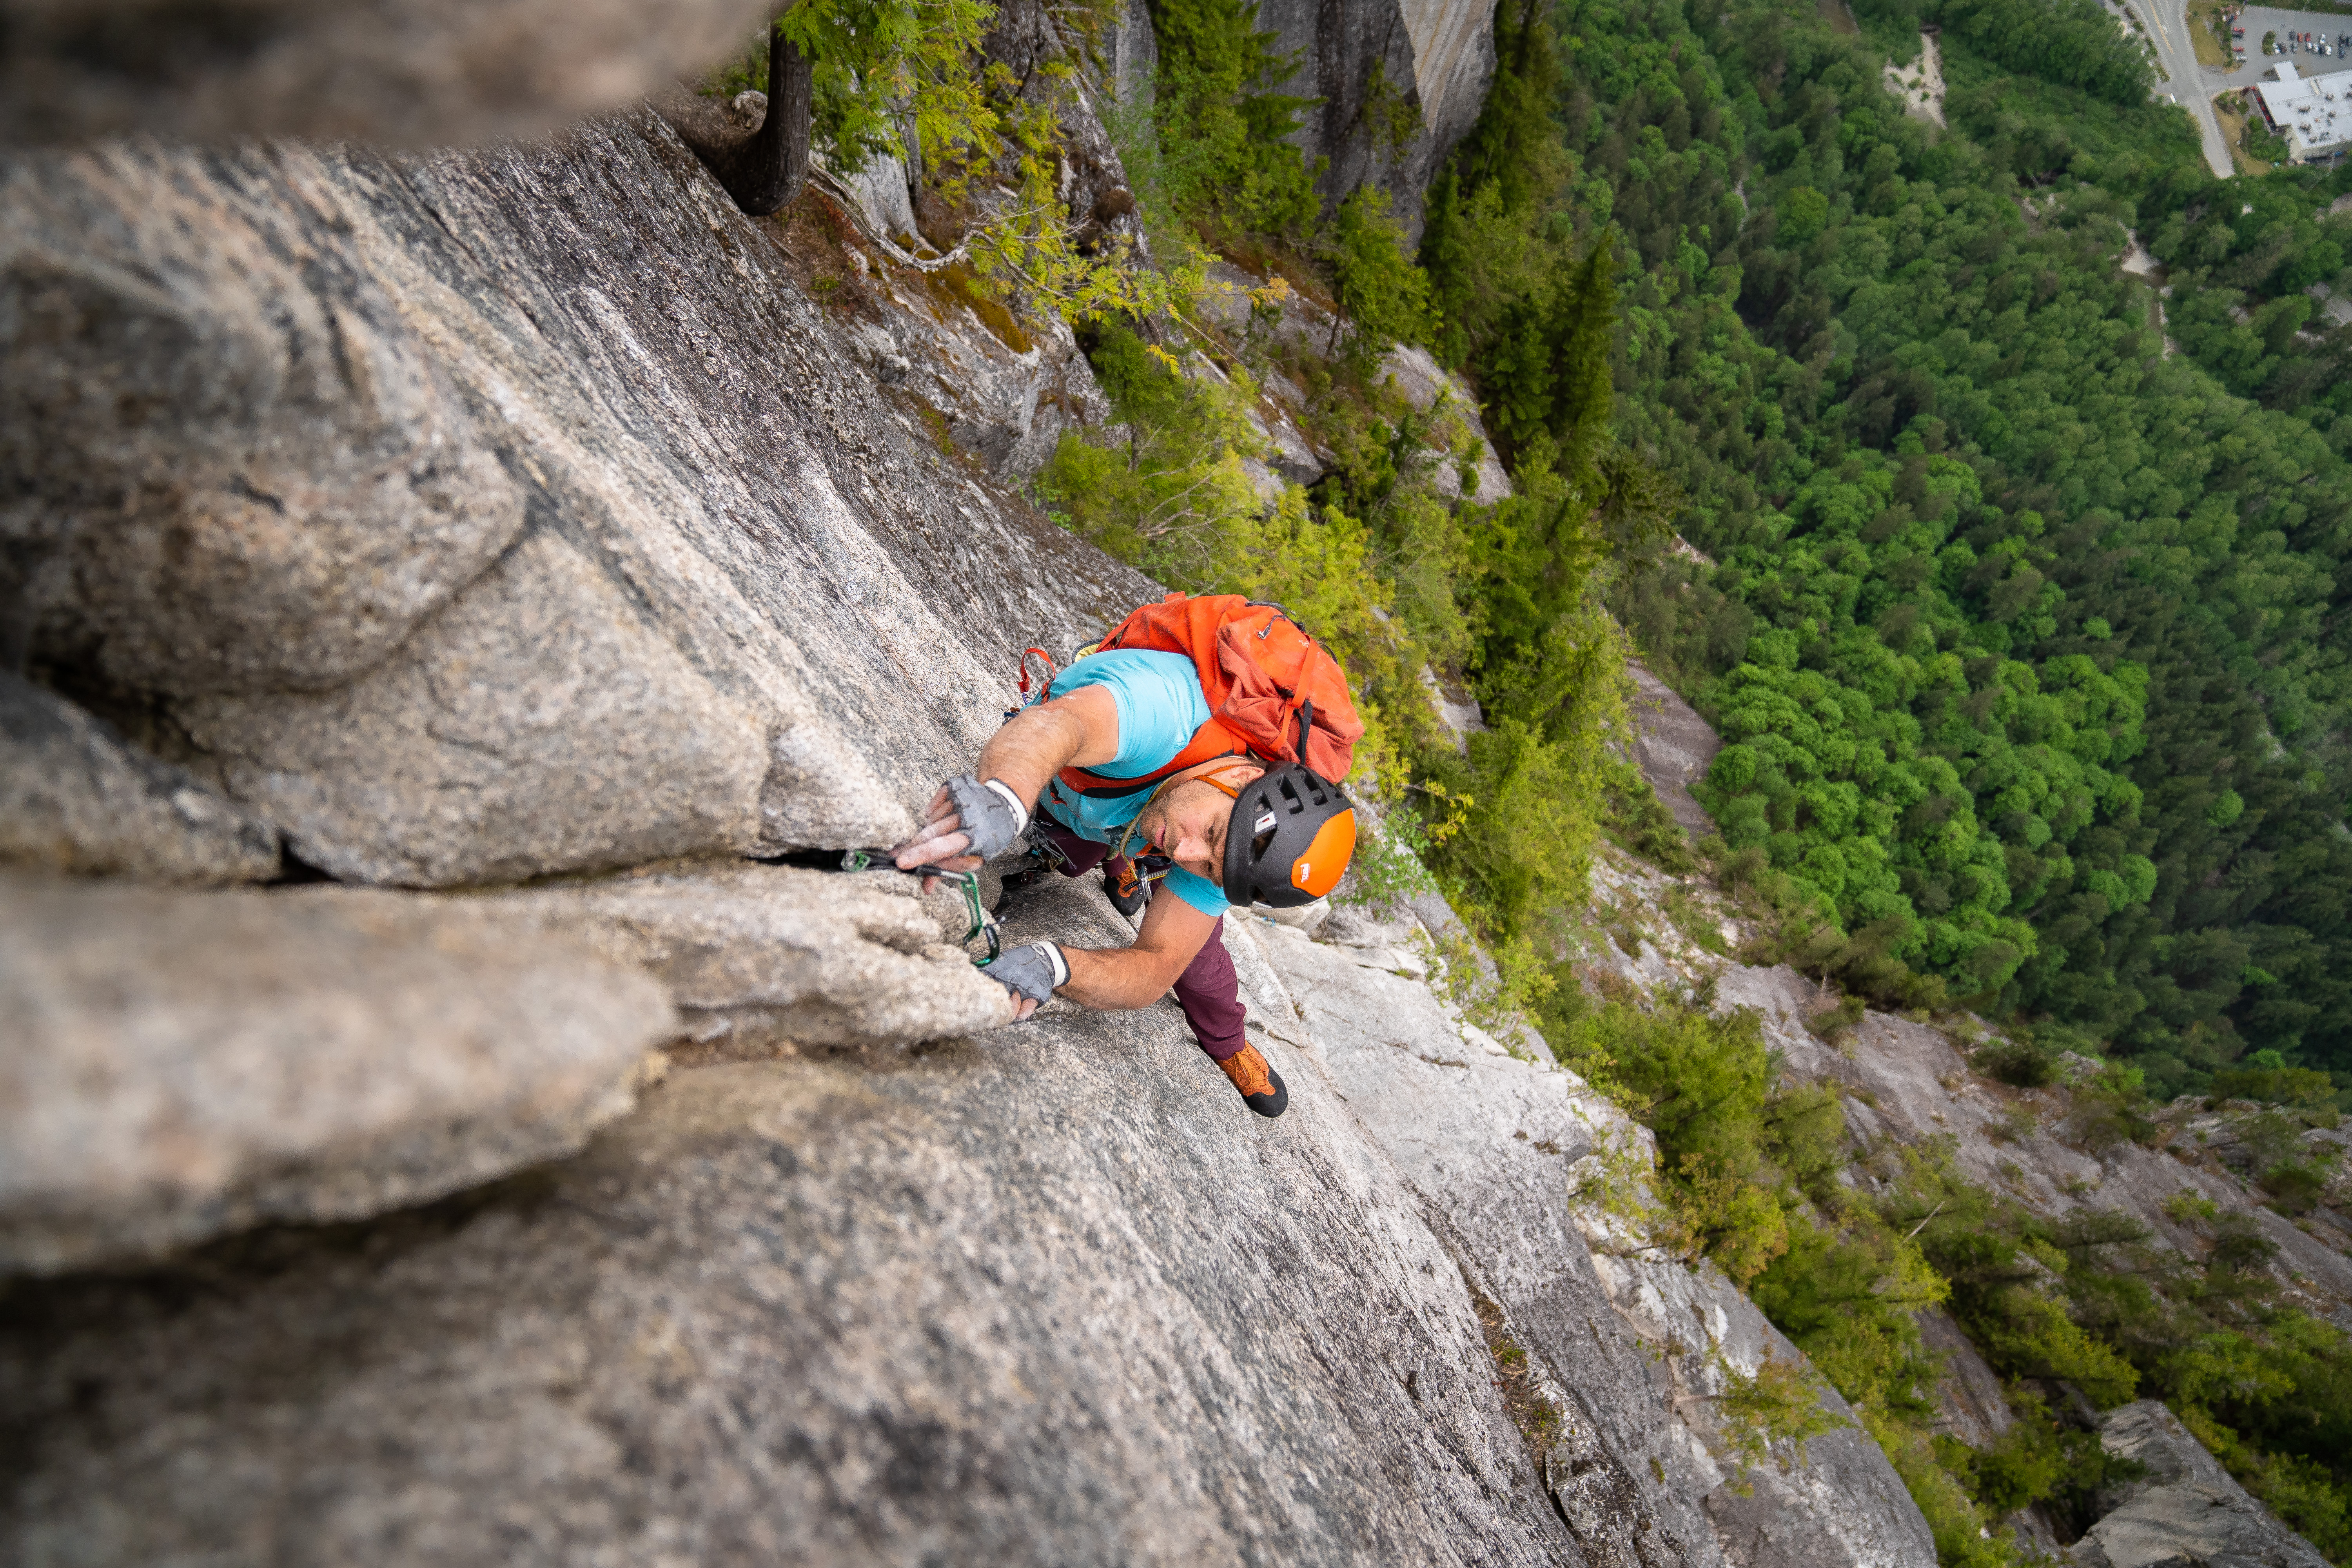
column 2185, row 1508
column 1631, row 1347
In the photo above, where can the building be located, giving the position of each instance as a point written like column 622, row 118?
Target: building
column 2313, row 118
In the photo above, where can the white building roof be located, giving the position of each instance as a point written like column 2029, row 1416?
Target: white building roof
column 2313, row 116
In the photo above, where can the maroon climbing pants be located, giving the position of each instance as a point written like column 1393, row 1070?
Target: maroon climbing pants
column 1209, row 991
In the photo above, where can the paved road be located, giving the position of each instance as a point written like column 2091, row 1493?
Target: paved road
column 2193, row 86
column 2166, row 22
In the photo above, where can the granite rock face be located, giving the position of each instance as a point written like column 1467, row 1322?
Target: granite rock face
column 1056, row 1297
column 413, row 72
column 1428, row 61
column 1488, row 1142
column 528, row 518
column 1831, row 1499
column 1974, row 1404
column 538, row 725
column 1004, row 391
column 179, row 1065
column 74, row 797
column 234, row 463
column 1415, row 374
column 765, row 959
column 1673, row 746
column 1631, row 1345
column 2186, row 1508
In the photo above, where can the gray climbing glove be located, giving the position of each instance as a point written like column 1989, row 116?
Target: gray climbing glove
column 1032, row 971
column 990, row 813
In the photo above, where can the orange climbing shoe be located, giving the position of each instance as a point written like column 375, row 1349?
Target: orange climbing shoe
column 1261, row 1086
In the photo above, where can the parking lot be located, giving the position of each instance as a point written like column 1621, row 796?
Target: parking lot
column 2307, row 63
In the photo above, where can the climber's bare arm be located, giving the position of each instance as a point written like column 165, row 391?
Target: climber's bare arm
column 1174, row 932
column 1078, row 730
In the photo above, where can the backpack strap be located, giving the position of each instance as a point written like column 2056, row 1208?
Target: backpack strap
column 1209, row 743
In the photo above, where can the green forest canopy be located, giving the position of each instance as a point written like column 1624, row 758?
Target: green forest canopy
column 2024, row 622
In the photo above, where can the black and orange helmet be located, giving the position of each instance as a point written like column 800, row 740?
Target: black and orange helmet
column 1289, row 839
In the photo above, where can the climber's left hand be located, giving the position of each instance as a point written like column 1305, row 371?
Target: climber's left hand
column 1029, row 973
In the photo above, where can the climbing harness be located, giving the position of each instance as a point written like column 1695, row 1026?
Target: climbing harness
column 982, row 922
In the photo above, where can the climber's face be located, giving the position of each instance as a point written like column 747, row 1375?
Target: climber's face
column 1187, row 821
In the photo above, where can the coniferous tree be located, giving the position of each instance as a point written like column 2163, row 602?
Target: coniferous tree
column 1511, row 144
column 1582, row 330
column 1442, row 259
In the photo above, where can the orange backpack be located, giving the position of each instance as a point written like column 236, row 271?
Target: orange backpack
column 1257, row 670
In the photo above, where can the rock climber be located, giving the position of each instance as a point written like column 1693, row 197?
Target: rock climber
column 1099, row 770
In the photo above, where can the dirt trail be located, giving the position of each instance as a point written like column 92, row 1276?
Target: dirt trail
column 1920, row 85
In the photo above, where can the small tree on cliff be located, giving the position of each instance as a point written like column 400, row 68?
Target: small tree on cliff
column 1225, row 127
column 1381, row 292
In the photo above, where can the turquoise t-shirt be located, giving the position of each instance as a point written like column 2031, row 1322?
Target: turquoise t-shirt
column 1160, row 705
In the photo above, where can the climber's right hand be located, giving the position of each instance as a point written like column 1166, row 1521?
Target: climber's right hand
column 1029, row 973
column 970, row 823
